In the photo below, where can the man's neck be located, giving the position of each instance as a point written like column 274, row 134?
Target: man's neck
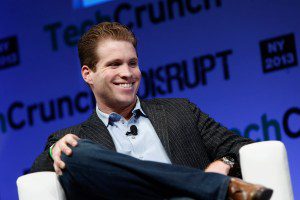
column 125, row 111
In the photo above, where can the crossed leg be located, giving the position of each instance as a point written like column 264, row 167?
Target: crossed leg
column 92, row 172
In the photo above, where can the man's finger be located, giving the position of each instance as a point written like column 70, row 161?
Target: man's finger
column 76, row 137
column 57, row 170
column 56, row 157
column 67, row 151
column 59, row 163
column 64, row 148
column 62, row 165
column 72, row 140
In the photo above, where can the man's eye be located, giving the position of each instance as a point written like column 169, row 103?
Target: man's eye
column 114, row 64
column 133, row 64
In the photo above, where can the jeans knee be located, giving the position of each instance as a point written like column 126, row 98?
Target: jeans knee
column 82, row 152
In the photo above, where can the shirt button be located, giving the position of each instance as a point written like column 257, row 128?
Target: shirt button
column 133, row 137
column 122, row 121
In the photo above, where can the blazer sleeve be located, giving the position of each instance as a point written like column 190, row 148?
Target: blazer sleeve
column 218, row 140
column 44, row 162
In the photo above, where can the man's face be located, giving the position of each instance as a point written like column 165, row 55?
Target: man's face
column 117, row 77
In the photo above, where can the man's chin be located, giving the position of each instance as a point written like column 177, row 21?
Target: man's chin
column 126, row 101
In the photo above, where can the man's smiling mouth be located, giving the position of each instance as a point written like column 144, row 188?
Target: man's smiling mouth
column 125, row 85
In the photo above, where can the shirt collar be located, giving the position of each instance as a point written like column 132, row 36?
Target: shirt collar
column 114, row 117
column 138, row 111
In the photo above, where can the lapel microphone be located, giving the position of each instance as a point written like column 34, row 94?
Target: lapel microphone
column 133, row 130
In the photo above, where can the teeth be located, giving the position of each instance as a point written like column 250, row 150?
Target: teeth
column 126, row 85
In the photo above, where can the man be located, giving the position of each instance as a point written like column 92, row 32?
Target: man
column 163, row 145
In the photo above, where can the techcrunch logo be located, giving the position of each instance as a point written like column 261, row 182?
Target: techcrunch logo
column 134, row 16
column 261, row 131
column 18, row 114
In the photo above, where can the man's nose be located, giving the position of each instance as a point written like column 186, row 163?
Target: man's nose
column 125, row 71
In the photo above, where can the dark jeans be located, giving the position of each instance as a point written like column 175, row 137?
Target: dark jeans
column 92, row 172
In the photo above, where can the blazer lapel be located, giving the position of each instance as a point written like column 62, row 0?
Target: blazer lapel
column 95, row 130
column 157, row 115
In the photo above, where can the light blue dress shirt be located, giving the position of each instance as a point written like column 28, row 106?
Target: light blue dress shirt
column 144, row 146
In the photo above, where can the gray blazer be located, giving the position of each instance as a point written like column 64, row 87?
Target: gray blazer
column 190, row 137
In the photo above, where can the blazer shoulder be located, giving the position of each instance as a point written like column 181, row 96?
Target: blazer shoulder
column 55, row 136
column 178, row 103
column 75, row 129
column 71, row 129
column 174, row 106
column 167, row 101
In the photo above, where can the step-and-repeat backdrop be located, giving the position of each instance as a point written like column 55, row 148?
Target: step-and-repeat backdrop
column 237, row 60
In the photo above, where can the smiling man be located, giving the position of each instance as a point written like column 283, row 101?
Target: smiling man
column 115, row 78
column 141, row 149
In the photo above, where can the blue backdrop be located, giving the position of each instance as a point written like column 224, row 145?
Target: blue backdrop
column 237, row 60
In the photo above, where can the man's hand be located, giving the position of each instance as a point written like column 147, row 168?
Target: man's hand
column 218, row 167
column 62, row 146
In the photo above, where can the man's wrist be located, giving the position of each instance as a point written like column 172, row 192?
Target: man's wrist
column 228, row 161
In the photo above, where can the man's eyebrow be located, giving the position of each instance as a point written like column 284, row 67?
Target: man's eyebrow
column 119, row 60
column 113, row 61
column 133, row 59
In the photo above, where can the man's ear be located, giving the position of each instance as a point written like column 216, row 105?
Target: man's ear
column 86, row 73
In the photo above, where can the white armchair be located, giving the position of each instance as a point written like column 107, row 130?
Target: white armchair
column 263, row 163
column 266, row 163
column 40, row 185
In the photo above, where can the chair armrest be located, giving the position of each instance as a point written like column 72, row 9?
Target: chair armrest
column 266, row 163
column 40, row 185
